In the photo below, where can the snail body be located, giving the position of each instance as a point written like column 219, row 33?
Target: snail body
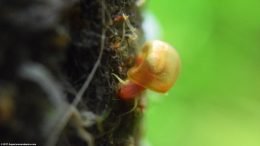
column 130, row 90
column 156, row 68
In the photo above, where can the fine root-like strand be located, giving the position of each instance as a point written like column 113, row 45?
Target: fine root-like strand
column 54, row 136
column 132, row 109
column 93, row 71
column 86, row 136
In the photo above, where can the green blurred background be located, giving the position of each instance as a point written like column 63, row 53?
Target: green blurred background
column 216, row 100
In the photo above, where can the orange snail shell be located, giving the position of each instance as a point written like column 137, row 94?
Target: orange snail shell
column 157, row 66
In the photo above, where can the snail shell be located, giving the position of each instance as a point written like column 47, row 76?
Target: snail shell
column 156, row 67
